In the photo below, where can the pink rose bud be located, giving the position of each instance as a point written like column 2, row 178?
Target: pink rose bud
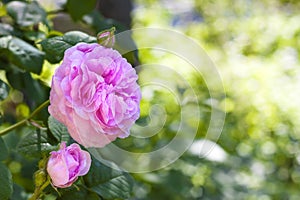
column 65, row 165
column 95, row 94
column 107, row 38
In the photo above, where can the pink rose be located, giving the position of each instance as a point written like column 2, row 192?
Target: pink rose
column 65, row 165
column 95, row 94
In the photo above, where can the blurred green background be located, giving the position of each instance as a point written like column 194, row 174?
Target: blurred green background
column 255, row 45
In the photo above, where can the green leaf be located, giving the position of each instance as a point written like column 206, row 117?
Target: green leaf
column 29, row 87
column 18, row 193
column 22, row 54
column 56, row 46
column 26, row 56
column 59, row 130
column 3, row 150
column 73, row 37
column 4, row 90
column 77, row 9
column 35, row 144
column 98, row 22
column 6, row 29
column 127, row 47
column 4, row 64
column 26, row 14
column 4, row 41
column 34, row 35
column 108, row 182
column 6, row 183
column 81, row 193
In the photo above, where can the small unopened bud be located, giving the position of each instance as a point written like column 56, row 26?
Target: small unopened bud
column 107, row 38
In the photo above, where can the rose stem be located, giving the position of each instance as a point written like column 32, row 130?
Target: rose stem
column 38, row 191
column 22, row 122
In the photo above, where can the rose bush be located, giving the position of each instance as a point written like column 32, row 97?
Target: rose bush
column 90, row 96
column 65, row 165
column 95, row 94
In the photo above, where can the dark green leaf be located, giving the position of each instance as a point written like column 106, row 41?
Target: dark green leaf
column 109, row 182
column 35, row 144
column 79, row 194
column 26, row 56
column 56, row 46
column 99, row 23
column 3, row 150
column 4, row 90
column 59, row 130
column 73, row 37
column 4, row 64
column 6, row 183
column 77, row 9
column 127, row 47
column 4, row 41
column 19, row 193
column 29, row 87
column 26, row 14
column 34, row 35
column 6, row 29
column 92, row 196
column 22, row 54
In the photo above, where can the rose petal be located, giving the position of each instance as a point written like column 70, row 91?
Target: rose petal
column 95, row 94
column 58, row 169
column 65, row 165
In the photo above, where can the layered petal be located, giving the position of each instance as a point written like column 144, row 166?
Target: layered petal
column 65, row 165
column 95, row 94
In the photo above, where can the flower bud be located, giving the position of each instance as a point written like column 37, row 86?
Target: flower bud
column 65, row 165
